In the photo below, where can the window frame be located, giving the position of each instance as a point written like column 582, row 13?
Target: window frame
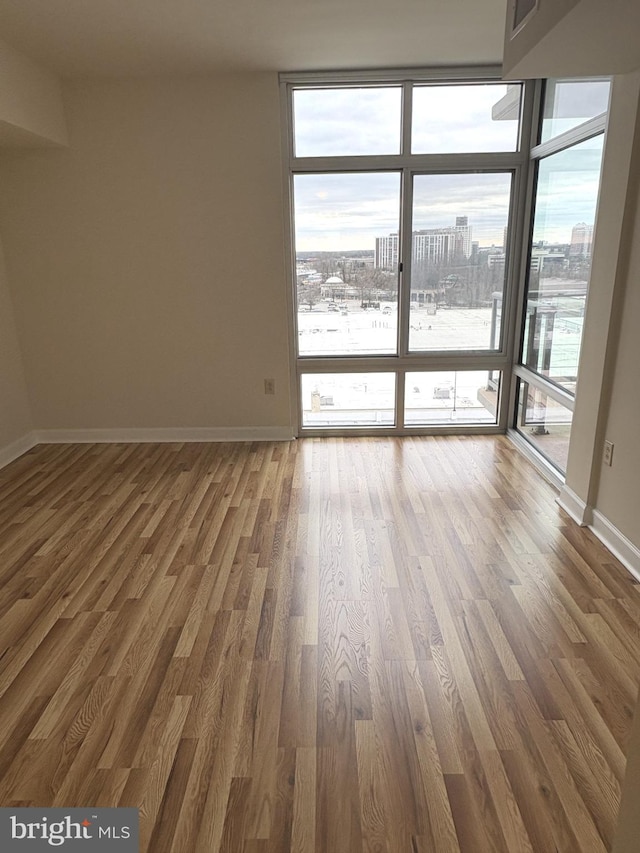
column 409, row 165
column 521, row 373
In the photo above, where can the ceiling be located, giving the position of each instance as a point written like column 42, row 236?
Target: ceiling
column 152, row 37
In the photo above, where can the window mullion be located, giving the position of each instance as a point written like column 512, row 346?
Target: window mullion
column 498, row 161
column 569, row 138
column 407, row 115
column 404, row 275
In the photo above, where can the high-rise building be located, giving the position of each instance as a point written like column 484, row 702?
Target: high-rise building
column 581, row 239
column 386, row 257
column 437, row 245
column 463, row 230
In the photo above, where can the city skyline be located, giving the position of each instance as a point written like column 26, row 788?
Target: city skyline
column 338, row 212
column 371, row 250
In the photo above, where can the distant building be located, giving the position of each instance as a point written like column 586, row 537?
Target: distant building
column 386, row 257
column 463, row 232
column 549, row 258
column 333, row 288
column 435, row 245
column 496, row 259
column 581, row 239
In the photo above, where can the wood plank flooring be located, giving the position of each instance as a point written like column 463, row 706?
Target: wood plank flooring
column 322, row 646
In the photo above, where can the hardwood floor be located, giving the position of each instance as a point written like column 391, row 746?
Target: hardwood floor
column 330, row 645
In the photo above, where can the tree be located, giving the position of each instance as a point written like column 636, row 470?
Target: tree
column 328, row 264
column 309, row 294
column 373, row 282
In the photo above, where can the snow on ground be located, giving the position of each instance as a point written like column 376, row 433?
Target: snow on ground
column 430, row 396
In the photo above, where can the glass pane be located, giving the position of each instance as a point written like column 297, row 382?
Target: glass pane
column 458, row 260
column 347, row 304
column 569, row 103
column 452, row 397
column 560, row 265
column 344, row 121
column 545, row 423
column 348, row 399
column 465, row 119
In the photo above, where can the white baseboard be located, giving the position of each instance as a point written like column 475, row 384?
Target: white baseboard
column 17, row 448
column 617, row 543
column 584, row 515
column 162, row 434
column 575, row 507
column 139, row 436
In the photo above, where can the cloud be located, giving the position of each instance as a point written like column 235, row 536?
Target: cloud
column 458, row 119
column 367, row 120
column 348, row 210
column 484, row 198
column 349, row 121
column 338, row 212
column 567, row 190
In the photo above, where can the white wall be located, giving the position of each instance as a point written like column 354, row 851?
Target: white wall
column 607, row 402
column 618, row 495
column 606, row 291
column 146, row 260
column 575, row 38
column 31, row 111
column 15, row 415
column 517, row 47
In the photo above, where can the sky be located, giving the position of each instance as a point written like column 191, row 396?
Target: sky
column 347, row 211
column 568, row 185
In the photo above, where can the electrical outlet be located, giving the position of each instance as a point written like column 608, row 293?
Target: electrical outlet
column 269, row 386
column 607, row 456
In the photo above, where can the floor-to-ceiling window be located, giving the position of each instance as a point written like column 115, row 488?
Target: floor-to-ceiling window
column 413, row 201
column 567, row 162
column 404, row 198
